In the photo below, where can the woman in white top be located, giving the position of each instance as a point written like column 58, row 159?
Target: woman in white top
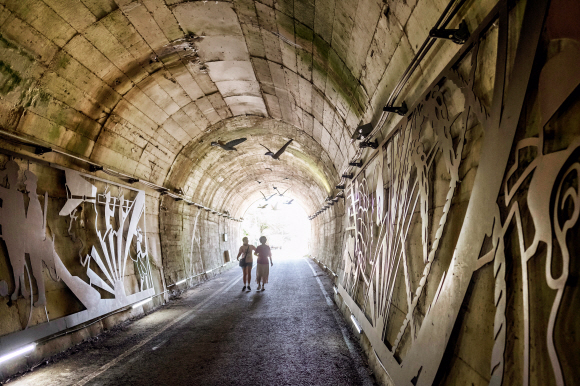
column 246, row 262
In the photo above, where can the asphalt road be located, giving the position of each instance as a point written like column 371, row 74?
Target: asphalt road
column 216, row 334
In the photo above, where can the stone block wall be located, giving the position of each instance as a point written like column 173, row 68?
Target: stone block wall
column 459, row 237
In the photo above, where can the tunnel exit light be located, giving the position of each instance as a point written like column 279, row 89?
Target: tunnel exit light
column 18, row 352
column 356, row 325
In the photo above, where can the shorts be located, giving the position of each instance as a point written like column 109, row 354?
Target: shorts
column 247, row 264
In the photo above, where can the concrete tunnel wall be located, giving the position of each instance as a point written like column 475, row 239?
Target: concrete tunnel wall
column 144, row 87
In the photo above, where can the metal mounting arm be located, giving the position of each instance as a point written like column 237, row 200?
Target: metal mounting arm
column 458, row 36
column 401, row 110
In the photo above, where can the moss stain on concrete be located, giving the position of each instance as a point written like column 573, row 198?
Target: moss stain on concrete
column 9, row 79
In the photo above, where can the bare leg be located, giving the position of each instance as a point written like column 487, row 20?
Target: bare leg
column 249, row 274
column 245, row 273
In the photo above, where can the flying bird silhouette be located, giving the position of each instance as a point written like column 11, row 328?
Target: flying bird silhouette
column 279, row 152
column 266, row 199
column 230, row 145
column 280, row 194
column 262, row 206
column 289, row 202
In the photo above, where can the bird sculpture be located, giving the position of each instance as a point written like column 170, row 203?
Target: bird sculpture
column 279, row 152
column 267, row 198
column 262, row 206
column 289, row 202
column 259, row 182
column 229, row 146
column 280, row 194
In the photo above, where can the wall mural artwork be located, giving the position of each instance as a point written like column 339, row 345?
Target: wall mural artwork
column 450, row 163
column 113, row 244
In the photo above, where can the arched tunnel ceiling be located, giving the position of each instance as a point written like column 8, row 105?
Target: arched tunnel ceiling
column 145, row 86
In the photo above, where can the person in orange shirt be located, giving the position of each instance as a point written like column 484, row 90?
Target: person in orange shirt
column 262, row 269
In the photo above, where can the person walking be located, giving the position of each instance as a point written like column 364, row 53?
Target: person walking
column 262, row 269
column 246, row 262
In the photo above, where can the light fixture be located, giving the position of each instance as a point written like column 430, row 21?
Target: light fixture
column 40, row 150
column 181, row 282
column 18, row 352
column 362, row 131
column 141, row 303
column 374, row 145
column 401, row 110
column 357, row 164
column 356, row 325
column 335, row 290
column 457, row 36
column 349, row 176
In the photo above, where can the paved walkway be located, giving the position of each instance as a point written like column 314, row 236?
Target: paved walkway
column 290, row 334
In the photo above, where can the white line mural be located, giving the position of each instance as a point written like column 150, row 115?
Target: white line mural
column 118, row 229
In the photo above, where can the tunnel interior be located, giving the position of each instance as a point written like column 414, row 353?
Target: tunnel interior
column 424, row 154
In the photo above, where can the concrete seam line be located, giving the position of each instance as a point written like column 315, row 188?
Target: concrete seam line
column 359, row 364
column 105, row 367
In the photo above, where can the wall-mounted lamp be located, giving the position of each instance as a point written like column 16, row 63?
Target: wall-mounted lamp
column 362, row 131
column 340, row 187
column 178, row 198
column 356, row 325
column 95, row 168
column 18, row 352
column 141, row 303
column 349, row 176
column 132, row 180
column 374, row 144
column 40, row 150
column 181, row 282
column 458, row 36
column 401, row 110
column 357, row 164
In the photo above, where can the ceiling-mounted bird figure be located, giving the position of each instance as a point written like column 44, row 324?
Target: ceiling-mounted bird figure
column 279, row 152
column 229, row 146
column 289, row 202
column 262, row 206
column 266, row 199
column 280, row 194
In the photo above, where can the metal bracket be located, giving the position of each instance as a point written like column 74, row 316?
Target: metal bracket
column 349, row 176
column 95, row 168
column 401, row 110
column 357, row 164
column 458, row 36
column 40, row 150
column 132, row 180
column 362, row 131
column 340, row 187
column 374, row 144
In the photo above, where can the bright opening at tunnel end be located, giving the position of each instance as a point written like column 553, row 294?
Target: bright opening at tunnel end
column 286, row 226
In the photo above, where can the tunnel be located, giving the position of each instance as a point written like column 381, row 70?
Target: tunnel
column 400, row 179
